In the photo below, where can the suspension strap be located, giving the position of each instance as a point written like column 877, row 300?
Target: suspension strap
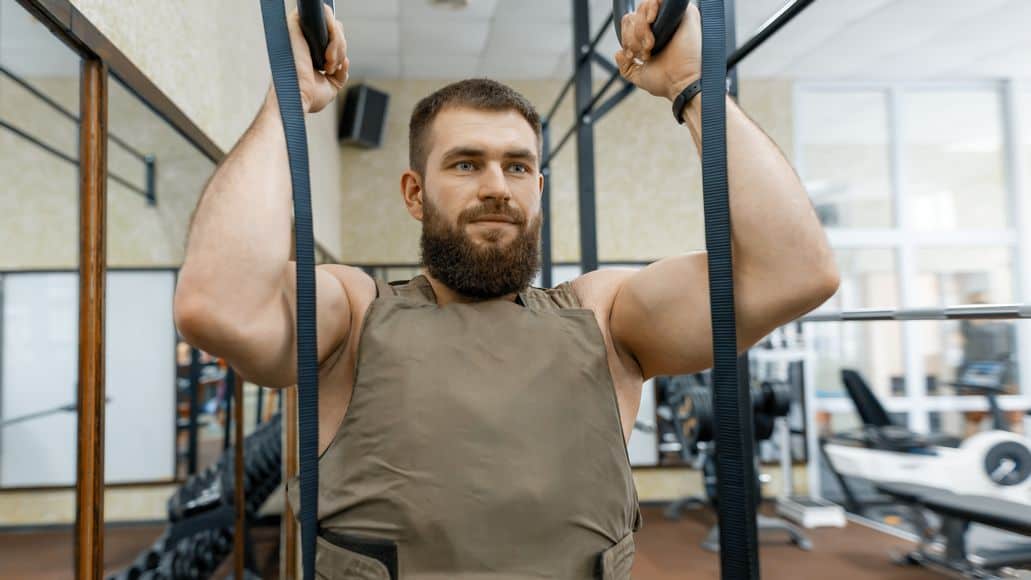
column 735, row 468
column 288, row 95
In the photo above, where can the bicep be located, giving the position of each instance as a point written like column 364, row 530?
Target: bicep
column 660, row 315
column 266, row 352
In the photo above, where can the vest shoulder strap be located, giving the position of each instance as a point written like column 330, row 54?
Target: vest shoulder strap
column 558, row 298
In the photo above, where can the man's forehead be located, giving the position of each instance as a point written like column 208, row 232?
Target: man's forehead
column 465, row 126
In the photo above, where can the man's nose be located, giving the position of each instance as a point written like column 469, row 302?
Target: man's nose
column 493, row 183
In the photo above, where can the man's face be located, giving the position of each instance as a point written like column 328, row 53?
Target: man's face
column 479, row 202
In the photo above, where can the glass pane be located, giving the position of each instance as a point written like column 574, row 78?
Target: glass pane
column 949, row 276
column 874, row 349
column 844, row 159
column 955, row 275
column 868, row 279
column 1024, row 108
column 954, row 163
column 155, row 176
column 39, row 295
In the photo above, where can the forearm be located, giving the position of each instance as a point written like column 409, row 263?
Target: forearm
column 239, row 245
column 775, row 229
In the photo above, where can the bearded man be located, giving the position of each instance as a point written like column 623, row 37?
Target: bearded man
column 471, row 425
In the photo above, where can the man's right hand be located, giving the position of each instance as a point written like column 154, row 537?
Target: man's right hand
column 318, row 89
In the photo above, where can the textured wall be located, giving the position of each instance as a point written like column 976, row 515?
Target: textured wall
column 648, row 177
column 209, row 58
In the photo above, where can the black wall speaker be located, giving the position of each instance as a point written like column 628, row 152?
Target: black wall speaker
column 364, row 117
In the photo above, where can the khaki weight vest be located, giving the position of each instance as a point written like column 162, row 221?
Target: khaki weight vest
column 482, row 441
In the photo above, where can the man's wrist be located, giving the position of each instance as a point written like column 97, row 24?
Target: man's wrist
column 678, row 87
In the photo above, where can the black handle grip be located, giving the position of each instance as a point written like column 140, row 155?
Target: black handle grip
column 671, row 13
column 313, row 24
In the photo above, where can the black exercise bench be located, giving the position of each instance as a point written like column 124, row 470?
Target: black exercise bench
column 957, row 512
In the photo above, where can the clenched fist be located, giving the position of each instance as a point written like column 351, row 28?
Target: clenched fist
column 678, row 65
column 319, row 88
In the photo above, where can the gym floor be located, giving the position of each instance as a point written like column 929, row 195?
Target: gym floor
column 665, row 550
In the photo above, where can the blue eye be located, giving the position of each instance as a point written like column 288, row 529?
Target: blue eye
column 520, row 168
column 464, row 166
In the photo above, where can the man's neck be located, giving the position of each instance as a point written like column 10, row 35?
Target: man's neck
column 445, row 295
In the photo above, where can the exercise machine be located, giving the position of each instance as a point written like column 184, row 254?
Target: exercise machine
column 689, row 409
column 201, row 513
column 993, row 463
column 945, row 546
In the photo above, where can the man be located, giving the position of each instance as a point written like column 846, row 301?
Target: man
column 472, row 426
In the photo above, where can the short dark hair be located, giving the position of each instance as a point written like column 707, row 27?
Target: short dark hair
column 482, row 94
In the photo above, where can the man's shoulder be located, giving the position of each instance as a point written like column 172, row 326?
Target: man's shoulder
column 597, row 290
column 359, row 286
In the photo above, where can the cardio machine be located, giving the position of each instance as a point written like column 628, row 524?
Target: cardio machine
column 994, row 463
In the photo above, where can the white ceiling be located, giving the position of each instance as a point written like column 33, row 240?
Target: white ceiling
column 519, row 39
column 830, row 40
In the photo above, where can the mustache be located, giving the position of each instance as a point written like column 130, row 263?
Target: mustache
column 492, row 208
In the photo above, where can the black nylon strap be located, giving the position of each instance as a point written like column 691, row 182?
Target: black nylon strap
column 735, row 469
column 288, row 95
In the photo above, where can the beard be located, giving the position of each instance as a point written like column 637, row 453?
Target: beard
column 480, row 271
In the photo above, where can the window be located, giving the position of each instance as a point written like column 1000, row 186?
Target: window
column 965, row 275
column 939, row 232
column 843, row 147
column 39, row 242
column 954, row 171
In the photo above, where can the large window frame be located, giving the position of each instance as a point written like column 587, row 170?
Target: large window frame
column 906, row 241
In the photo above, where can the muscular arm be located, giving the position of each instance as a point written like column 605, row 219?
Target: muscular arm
column 783, row 265
column 236, row 291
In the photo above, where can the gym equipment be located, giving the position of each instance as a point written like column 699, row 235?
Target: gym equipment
column 201, row 515
column 689, row 408
column 313, row 24
column 671, row 13
column 991, row 463
column 986, row 378
column 945, row 547
column 962, row 312
column 284, row 78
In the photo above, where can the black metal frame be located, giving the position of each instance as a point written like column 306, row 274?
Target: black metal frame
column 149, row 161
column 589, row 109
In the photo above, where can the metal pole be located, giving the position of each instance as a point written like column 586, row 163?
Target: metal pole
column 729, row 16
column 191, row 451
column 786, row 14
column 261, row 407
column 240, row 527
column 583, row 55
column 585, row 140
column 547, row 258
column 230, row 388
column 962, row 312
column 89, row 487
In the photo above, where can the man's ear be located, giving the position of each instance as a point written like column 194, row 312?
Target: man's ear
column 540, row 183
column 412, row 192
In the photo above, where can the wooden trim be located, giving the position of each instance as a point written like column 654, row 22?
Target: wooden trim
column 288, row 570
column 89, row 501
column 239, row 530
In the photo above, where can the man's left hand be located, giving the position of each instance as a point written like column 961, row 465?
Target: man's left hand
column 678, row 65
